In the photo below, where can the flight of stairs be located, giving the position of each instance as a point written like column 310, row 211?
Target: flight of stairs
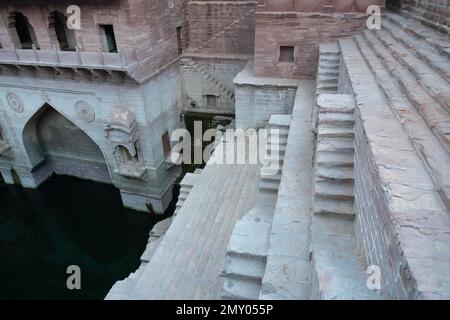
column 229, row 92
column 247, row 251
column 337, row 269
column 186, row 186
column 414, row 74
column 400, row 78
column 328, row 72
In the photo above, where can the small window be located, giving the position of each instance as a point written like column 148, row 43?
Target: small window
column 180, row 40
column 108, row 38
column 211, row 101
column 166, row 144
column 286, row 54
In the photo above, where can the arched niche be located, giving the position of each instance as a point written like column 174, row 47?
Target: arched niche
column 61, row 37
column 21, row 31
column 55, row 143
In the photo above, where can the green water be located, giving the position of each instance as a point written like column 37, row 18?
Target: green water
column 66, row 222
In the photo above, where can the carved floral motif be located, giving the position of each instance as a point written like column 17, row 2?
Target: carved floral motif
column 85, row 112
column 14, row 102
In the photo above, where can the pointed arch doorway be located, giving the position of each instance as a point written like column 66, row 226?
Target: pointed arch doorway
column 54, row 144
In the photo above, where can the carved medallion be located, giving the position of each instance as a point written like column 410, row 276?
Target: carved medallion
column 15, row 103
column 85, row 112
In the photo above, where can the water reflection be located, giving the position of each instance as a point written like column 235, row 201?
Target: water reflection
column 67, row 222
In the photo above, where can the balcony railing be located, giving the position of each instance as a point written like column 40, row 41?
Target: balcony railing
column 124, row 61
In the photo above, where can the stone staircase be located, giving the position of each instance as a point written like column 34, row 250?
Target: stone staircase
column 400, row 79
column 418, row 91
column 328, row 72
column 247, row 250
column 192, row 250
column 186, row 185
column 337, row 269
column 229, row 92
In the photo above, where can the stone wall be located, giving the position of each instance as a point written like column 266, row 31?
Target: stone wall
column 304, row 31
column 198, row 77
column 374, row 231
column 258, row 98
column 155, row 106
column 138, row 25
column 434, row 13
column 218, row 27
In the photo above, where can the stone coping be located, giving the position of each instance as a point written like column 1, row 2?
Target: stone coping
column 247, row 77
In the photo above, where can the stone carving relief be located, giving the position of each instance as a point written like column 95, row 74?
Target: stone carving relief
column 85, row 112
column 45, row 96
column 14, row 102
column 122, row 132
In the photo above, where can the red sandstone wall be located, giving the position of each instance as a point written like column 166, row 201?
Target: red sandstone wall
column 435, row 13
column 149, row 26
column 324, row 6
column 303, row 24
column 221, row 27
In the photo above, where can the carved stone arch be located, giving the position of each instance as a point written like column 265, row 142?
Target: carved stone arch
column 33, row 135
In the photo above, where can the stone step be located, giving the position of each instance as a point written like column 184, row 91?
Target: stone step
column 331, row 206
column 267, row 171
column 437, row 40
column 330, row 131
column 280, row 149
column 337, row 272
column 325, row 91
column 420, row 49
column 241, row 289
column 278, row 132
column 338, row 119
column 244, row 268
column 250, row 237
column 435, row 84
column 269, row 185
column 332, row 60
column 271, row 177
column 207, row 263
column 437, row 118
column 336, row 145
column 325, row 79
column 327, row 86
column 328, row 72
column 335, row 190
column 435, row 156
column 335, row 159
column 336, row 103
column 281, row 121
column 381, row 124
column 335, row 173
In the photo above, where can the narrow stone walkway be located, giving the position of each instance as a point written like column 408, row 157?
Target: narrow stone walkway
column 189, row 260
column 288, row 266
